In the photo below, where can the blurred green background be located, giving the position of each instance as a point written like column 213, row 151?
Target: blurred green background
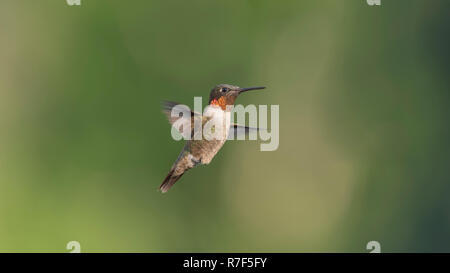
column 364, row 125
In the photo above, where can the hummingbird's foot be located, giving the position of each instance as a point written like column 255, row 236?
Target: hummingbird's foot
column 196, row 161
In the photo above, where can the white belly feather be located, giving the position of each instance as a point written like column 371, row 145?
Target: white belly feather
column 221, row 120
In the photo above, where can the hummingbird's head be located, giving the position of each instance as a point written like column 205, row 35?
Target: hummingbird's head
column 225, row 94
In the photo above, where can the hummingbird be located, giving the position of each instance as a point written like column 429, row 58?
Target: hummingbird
column 201, row 151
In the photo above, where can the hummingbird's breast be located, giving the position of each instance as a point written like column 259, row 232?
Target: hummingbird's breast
column 221, row 120
column 215, row 132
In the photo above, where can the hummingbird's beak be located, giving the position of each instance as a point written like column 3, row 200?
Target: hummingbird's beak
column 242, row 90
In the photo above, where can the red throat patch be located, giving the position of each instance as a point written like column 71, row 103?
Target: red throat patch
column 221, row 102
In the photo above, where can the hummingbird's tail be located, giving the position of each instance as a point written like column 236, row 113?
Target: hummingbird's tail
column 170, row 179
column 184, row 162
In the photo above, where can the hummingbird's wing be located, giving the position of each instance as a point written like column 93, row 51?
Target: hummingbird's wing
column 168, row 107
column 237, row 130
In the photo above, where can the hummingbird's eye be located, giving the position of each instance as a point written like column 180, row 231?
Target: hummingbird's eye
column 224, row 89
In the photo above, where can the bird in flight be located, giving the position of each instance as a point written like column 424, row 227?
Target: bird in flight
column 200, row 151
